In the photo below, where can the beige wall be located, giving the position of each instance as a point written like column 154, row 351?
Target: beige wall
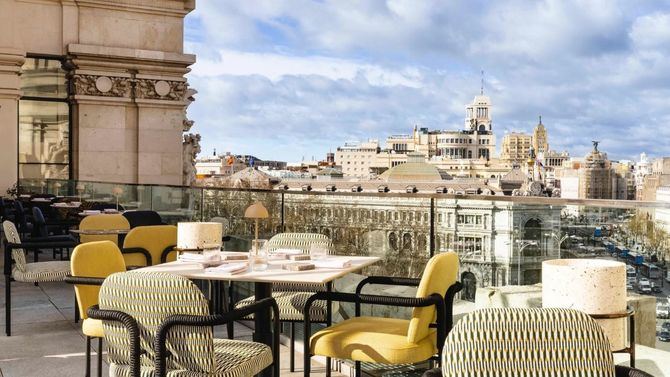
column 129, row 133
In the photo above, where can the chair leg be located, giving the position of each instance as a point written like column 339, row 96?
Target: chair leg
column 76, row 309
column 8, row 305
column 88, row 356
column 99, row 357
column 328, row 362
column 292, row 346
column 357, row 372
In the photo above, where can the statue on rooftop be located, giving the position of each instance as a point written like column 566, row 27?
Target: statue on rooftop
column 191, row 148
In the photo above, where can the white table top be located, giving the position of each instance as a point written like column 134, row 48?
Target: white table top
column 274, row 273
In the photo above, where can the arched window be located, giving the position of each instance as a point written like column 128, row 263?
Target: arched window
column 469, row 286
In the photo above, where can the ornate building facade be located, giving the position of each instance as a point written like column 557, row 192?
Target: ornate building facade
column 498, row 242
column 95, row 90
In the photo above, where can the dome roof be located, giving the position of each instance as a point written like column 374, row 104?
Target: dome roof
column 482, row 100
column 414, row 172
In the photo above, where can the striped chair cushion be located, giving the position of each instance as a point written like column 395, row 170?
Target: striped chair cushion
column 233, row 358
column 12, row 235
column 291, row 306
column 291, row 298
column 527, row 342
column 150, row 298
column 42, row 272
column 32, row 272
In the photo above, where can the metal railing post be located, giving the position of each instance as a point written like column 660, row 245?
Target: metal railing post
column 283, row 229
column 202, row 204
column 432, row 226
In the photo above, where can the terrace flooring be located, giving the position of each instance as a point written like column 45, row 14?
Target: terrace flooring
column 45, row 340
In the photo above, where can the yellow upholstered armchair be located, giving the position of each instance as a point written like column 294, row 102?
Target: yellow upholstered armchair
column 102, row 222
column 90, row 264
column 391, row 340
column 150, row 245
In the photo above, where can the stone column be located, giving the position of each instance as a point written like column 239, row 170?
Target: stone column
column 129, row 113
column 11, row 61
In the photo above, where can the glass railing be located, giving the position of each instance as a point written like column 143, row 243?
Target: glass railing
column 500, row 240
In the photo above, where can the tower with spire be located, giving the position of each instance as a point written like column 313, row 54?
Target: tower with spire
column 478, row 113
column 540, row 139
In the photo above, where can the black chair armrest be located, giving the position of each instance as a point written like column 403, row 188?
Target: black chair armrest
column 226, row 238
column 449, row 304
column 133, row 331
column 387, row 280
column 138, row 250
column 160, row 348
column 623, row 371
column 167, row 251
column 43, row 243
column 84, row 280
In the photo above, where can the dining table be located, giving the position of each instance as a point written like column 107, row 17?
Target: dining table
column 264, row 280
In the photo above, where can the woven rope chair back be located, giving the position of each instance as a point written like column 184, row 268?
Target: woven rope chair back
column 302, row 241
column 100, row 222
column 12, row 235
column 149, row 298
column 527, row 342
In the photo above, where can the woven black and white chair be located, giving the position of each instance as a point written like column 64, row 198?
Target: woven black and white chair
column 291, row 298
column 16, row 268
column 529, row 342
column 158, row 324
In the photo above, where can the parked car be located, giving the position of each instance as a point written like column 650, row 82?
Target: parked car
column 663, row 311
column 629, row 285
column 666, row 326
column 644, row 287
column 655, row 288
column 643, row 280
column 664, row 336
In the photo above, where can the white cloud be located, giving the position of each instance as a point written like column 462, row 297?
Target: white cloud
column 275, row 66
column 317, row 73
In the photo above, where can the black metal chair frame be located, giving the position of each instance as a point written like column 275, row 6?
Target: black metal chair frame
column 162, row 354
column 443, row 305
column 147, row 255
column 87, row 280
column 35, row 245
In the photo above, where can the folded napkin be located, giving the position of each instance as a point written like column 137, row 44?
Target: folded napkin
column 91, row 212
column 234, row 255
column 332, row 263
column 288, row 251
column 200, row 258
column 228, row 269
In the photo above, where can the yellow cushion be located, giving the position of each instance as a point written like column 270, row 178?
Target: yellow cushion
column 154, row 239
column 440, row 273
column 102, row 221
column 372, row 339
column 94, row 259
column 92, row 327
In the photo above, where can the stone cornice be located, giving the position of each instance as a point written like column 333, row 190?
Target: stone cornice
column 142, row 6
column 129, row 54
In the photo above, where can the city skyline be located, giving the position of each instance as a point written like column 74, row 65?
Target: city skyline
column 300, row 78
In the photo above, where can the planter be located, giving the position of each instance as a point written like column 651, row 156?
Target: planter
column 594, row 286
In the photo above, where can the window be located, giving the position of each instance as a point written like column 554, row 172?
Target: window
column 44, row 120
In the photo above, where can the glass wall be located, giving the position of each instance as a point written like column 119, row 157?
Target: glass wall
column 44, row 121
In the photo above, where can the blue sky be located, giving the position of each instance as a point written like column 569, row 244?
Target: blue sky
column 291, row 79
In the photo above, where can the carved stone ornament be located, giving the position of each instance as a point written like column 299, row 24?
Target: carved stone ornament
column 161, row 89
column 103, row 86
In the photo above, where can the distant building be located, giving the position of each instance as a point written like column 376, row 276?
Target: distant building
column 540, row 139
column 595, row 176
column 228, row 164
column 516, row 147
column 641, row 169
column 356, row 159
